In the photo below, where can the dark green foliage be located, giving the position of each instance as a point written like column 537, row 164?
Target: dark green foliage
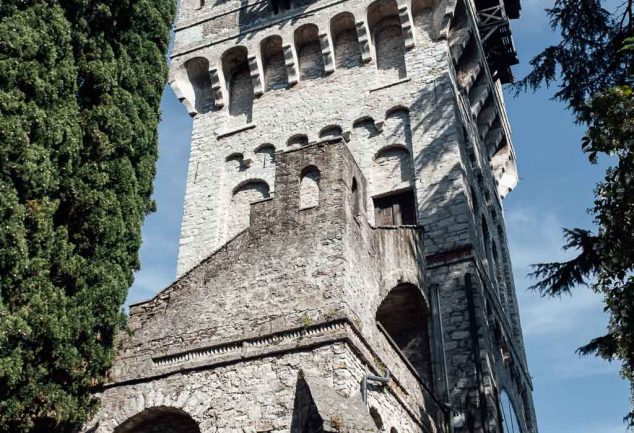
column 593, row 67
column 589, row 58
column 80, row 88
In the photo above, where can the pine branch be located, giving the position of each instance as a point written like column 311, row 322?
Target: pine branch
column 560, row 277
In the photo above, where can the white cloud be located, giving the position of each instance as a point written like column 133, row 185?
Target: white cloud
column 553, row 327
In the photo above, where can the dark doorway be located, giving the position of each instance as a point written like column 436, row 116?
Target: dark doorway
column 395, row 210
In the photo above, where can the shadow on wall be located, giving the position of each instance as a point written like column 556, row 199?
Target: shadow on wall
column 253, row 13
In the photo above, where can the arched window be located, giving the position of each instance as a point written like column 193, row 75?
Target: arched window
column 199, row 88
column 309, row 188
column 240, row 206
column 265, row 155
column 168, row 419
column 344, row 38
column 405, row 317
column 509, row 419
column 387, row 37
column 235, row 68
column 275, row 76
column 311, row 62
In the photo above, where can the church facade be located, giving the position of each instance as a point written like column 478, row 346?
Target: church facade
column 343, row 263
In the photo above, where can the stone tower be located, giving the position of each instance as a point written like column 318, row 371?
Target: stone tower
column 343, row 262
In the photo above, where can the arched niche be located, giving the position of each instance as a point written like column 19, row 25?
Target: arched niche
column 297, row 140
column 404, row 316
column 422, row 12
column 235, row 68
column 192, row 81
column 397, row 124
column 311, row 62
column 346, row 43
column 309, row 188
column 235, row 162
column 387, row 38
column 265, row 155
column 365, row 127
column 240, row 207
column 392, row 166
column 331, row 131
column 159, row 419
column 275, row 76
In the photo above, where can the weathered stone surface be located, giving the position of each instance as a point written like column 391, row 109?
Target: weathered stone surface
column 319, row 128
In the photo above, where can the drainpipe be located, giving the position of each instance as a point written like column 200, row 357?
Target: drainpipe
column 372, row 378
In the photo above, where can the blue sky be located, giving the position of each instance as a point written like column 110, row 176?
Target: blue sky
column 572, row 394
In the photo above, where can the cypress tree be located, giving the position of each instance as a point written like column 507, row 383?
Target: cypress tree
column 80, row 88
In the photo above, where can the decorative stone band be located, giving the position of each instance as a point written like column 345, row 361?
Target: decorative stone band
column 273, row 344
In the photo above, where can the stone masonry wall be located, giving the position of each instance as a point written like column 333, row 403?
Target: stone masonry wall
column 409, row 91
column 251, row 396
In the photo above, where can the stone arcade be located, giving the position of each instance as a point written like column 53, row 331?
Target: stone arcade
column 343, row 262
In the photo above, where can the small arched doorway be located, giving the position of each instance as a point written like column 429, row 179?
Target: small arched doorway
column 160, row 419
column 404, row 316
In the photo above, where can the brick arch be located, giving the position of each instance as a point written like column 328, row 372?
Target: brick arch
column 169, row 419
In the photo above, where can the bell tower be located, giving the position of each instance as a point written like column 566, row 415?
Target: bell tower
column 343, row 262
